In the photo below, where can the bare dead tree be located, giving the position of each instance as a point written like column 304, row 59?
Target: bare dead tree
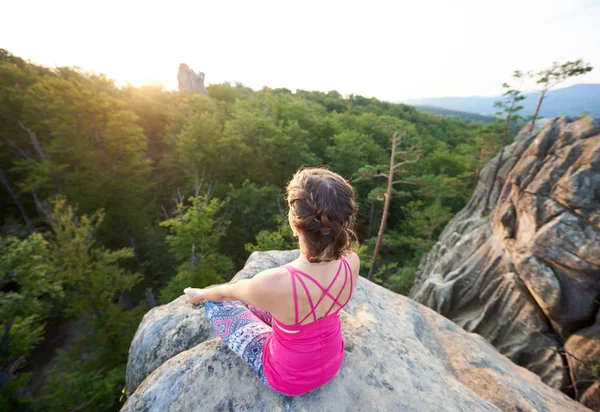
column 179, row 202
column 406, row 157
column 41, row 208
column 165, row 214
column 150, row 298
column 21, row 152
column 134, row 248
column 193, row 257
column 197, row 253
column 34, row 141
column 198, row 182
column 31, row 158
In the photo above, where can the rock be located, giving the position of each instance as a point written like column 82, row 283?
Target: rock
column 399, row 355
column 189, row 81
column 164, row 332
column 583, row 355
column 167, row 330
column 527, row 275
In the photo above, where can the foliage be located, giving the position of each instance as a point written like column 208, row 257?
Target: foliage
column 124, row 156
column 91, row 273
column 194, row 237
column 65, row 271
column 508, row 106
column 251, row 209
column 12, row 394
column 556, row 74
column 423, row 224
column 76, row 381
column 28, row 286
column 280, row 239
column 90, row 372
column 472, row 117
column 398, row 279
column 508, row 112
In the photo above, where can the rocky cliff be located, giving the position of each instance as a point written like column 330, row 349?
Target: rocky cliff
column 189, row 81
column 526, row 276
column 399, row 355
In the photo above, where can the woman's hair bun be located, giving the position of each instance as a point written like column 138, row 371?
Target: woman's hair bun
column 323, row 208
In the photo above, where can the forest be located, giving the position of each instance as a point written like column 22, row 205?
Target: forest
column 114, row 199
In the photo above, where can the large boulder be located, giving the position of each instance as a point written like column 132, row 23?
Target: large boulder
column 167, row 330
column 164, row 332
column 399, row 355
column 526, row 274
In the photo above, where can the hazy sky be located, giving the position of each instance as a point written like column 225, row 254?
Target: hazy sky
column 391, row 50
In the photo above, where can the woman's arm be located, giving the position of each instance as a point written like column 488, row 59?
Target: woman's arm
column 219, row 293
column 258, row 291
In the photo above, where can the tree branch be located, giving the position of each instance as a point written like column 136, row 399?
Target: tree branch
column 34, row 140
column 411, row 150
column 164, row 212
column 40, row 207
column 199, row 182
column 405, row 181
column 397, row 165
column 21, row 151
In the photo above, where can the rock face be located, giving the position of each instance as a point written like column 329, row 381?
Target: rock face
column 399, row 355
column 164, row 332
column 189, row 81
column 527, row 275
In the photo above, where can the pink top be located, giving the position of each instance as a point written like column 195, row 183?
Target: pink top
column 296, row 363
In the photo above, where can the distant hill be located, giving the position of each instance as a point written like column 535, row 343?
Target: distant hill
column 569, row 101
column 473, row 117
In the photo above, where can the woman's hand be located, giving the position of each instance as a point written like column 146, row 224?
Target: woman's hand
column 195, row 295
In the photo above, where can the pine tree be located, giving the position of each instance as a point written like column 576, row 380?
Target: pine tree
column 508, row 111
column 555, row 75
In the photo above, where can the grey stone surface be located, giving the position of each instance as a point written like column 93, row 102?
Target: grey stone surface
column 190, row 81
column 585, row 345
column 399, row 356
column 170, row 329
column 527, row 275
column 164, row 332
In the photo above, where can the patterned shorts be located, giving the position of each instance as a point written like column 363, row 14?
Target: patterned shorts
column 244, row 330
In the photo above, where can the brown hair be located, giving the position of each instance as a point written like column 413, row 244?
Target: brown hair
column 322, row 207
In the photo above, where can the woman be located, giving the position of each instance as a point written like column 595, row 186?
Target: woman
column 284, row 322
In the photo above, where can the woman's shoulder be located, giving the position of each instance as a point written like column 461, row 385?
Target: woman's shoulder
column 352, row 257
column 354, row 261
column 263, row 290
column 275, row 279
